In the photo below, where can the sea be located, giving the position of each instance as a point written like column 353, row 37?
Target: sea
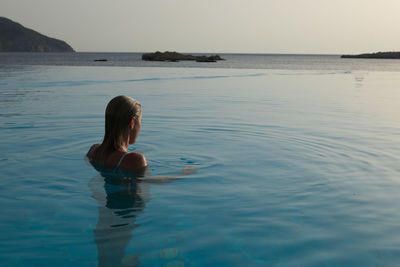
column 294, row 161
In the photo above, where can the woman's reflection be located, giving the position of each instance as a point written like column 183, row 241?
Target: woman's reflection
column 120, row 200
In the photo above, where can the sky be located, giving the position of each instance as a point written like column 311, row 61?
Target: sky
column 214, row 26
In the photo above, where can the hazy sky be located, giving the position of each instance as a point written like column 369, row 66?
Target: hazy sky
column 237, row 26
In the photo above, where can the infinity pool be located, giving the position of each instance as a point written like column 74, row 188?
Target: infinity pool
column 294, row 168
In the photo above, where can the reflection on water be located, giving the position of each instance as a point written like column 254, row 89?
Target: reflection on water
column 120, row 200
column 121, row 197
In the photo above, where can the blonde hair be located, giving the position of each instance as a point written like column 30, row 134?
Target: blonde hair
column 119, row 112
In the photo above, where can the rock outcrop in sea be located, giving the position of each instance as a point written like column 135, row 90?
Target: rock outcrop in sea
column 174, row 57
column 382, row 55
column 16, row 38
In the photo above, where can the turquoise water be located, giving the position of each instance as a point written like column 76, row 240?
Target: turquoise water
column 294, row 168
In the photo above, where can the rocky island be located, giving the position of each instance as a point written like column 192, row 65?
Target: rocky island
column 381, row 55
column 16, row 38
column 175, row 57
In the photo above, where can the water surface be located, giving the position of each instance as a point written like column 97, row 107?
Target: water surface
column 295, row 168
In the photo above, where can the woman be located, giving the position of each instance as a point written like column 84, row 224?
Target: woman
column 122, row 187
column 122, row 127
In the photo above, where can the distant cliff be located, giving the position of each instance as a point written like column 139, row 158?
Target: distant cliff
column 383, row 55
column 16, row 38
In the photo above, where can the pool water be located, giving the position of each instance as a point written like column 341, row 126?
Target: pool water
column 294, row 168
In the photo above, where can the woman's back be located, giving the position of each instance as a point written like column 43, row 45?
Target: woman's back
column 116, row 159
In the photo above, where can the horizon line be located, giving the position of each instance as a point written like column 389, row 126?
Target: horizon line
column 226, row 53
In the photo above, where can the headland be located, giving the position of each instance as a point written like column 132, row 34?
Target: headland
column 16, row 38
column 381, row 55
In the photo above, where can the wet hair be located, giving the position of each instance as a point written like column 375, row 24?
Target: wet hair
column 119, row 112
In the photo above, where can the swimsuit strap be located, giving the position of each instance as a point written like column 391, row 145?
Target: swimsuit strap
column 120, row 160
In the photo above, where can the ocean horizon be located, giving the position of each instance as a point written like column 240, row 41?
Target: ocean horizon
column 232, row 61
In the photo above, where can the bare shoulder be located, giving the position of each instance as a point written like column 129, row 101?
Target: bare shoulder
column 134, row 160
column 92, row 149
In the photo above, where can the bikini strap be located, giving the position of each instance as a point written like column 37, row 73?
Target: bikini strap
column 120, row 160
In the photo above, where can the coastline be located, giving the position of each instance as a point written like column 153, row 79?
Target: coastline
column 232, row 61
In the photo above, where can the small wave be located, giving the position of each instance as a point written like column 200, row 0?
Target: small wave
column 167, row 164
column 150, row 79
column 214, row 129
column 67, row 83
column 311, row 72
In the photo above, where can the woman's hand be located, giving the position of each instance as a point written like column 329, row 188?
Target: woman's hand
column 189, row 170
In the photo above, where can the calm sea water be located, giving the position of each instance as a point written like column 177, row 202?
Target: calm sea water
column 295, row 166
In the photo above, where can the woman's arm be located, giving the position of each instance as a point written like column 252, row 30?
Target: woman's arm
column 187, row 170
column 134, row 160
